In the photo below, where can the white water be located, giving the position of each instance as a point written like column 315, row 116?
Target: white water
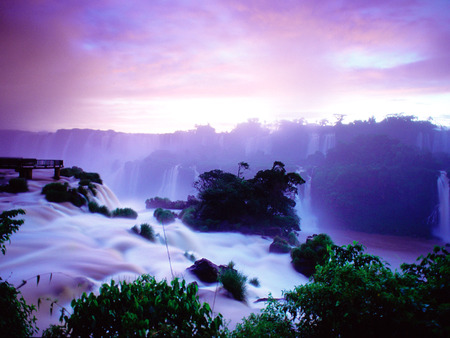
column 308, row 221
column 321, row 143
column 443, row 229
column 169, row 183
column 83, row 250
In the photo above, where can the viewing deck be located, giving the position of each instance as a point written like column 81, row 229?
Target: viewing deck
column 25, row 166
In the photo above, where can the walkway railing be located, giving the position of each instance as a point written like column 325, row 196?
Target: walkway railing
column 25, row 166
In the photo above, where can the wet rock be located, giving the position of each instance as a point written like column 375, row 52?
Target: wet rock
column 205, row 270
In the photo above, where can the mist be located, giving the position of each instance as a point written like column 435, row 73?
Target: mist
column 383, row 184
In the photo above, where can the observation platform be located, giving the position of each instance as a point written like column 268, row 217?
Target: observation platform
column 25, row 166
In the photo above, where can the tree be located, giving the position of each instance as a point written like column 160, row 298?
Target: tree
column 354, row 294
column 228, row 201
column 242, row 165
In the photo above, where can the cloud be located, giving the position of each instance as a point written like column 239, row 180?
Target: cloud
column 63, row 61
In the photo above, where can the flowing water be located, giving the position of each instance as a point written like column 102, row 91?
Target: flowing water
column 443, row 229
column 74, row 251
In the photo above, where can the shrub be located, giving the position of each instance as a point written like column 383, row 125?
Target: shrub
column 190, row 256
column 158, row 202
column 292, row 239
column 69, row 172
column 16, row 317
column 255, row 282
column 311, row 253
column 144, row 307
column 90, row 177
column 16, row 185
column 273, row 321
column 95, row 208
column 58, row 193
column 356, row 294
column 55, row 331
column 164, row 216
column 147, row 232
column 9, row 225
column 234, row 282
column 279, row 245
column 81, row 175
column 188, row 217
column 124, row 213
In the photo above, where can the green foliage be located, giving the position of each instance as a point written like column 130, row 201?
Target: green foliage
column 69, row 172
column 254, row 281
column 279, row 245
column 356, row 294
column 273, row 321
column 9, row 225
column 95, row 208
column 55, row 331
column 188, row 217
column 79, row 174
column 89, row 185
column 229, row 202
column 429, row 286
column 124, row 213
column 147, row 232
column 16, row 316
column 164, row 216
column 313, row 252
column 233, row 281
column 57, row 192
column 377, row 184
column 89, row 177
column 143, row 308
column 292, row 239
column 15, row 185
column 158, row 202
column 190, row 256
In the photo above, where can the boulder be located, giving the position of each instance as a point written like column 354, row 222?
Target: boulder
column 205, row 270
column 279, row 245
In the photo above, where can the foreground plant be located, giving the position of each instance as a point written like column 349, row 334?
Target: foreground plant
column 354, row 294
column 16, row 316
column 143, row 308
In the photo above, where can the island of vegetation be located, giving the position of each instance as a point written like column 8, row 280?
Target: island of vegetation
column 227, row 202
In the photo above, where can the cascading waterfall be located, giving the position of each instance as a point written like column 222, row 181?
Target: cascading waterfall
column 443, row 230
column 328, row 143
column 308, row 222
column 313, row 144
column 169, row 183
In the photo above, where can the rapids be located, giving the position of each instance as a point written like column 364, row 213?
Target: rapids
column 74, row 251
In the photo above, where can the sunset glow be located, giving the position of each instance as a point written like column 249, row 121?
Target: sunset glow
column 161, row 66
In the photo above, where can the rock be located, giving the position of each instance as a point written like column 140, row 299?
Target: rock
column 205, row 270
column 279, row 245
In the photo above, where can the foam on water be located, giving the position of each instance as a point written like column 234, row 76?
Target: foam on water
column 81, row 251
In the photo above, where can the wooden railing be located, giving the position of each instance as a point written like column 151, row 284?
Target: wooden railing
column 25, row 166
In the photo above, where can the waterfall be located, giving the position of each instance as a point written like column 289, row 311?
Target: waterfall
column 169, row 183
column 313, row 144
column 308, row 221
column 328, row 143
column 443, row 230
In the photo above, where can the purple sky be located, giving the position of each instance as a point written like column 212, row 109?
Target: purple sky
column 159, row 66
